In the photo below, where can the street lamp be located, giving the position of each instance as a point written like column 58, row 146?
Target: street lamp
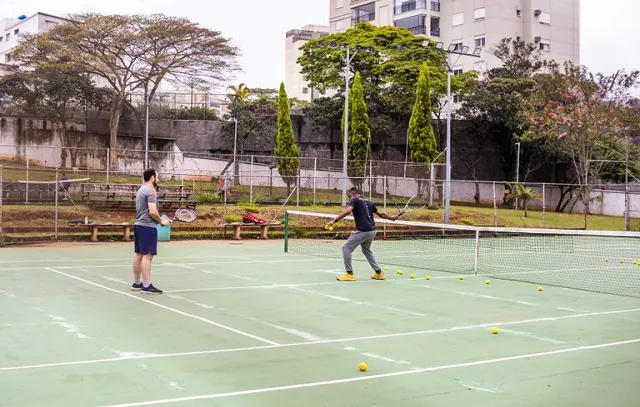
column 345, row 143
column 518, row 171
column 460, row 50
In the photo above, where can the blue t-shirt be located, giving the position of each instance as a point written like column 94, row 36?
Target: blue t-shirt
column 363, row 211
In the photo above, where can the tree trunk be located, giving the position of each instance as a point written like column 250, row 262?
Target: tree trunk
column 114, row 121
column 526, row 212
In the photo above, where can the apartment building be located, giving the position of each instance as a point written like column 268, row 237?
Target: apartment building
column 11, row 28
column 295, row 83
column 554, row 25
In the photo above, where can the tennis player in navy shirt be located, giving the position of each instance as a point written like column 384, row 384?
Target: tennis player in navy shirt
column 363, row 211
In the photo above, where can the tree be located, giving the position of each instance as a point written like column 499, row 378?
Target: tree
column 422, row 140
column 286, row 149
column 389, row 71
column 583, row 113
column 359, row 136
column 523, row 194
column 51, row 93
column 238, row 93
column 493, row 104
column 130, row 53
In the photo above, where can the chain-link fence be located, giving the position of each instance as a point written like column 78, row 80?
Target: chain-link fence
column 48, row 197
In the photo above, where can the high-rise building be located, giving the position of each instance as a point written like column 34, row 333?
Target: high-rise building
column 294, row 82
column 554, row 25
column 11, row 28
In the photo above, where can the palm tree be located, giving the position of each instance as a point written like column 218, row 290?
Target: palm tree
column 238, row 93
column 520, row 192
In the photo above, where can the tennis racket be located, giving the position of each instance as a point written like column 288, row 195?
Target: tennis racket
column 184, row 215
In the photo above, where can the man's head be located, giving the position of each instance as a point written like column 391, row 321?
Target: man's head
column 354, row 192
column 151, row 175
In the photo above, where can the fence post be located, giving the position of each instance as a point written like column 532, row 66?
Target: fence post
column 1, row 196
column 384, row 200
column 108, row 163
column 26, row 154
column 251, row 182
column 495, row 206
column 55, row 228
column 544, row 205
column 298, row 190
column 315, row 177
column 370, row 180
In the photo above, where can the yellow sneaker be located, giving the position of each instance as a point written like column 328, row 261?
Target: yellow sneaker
column 346, row 277
column 377, row 276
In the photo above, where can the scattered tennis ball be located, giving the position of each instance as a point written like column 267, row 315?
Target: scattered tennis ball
column 495, row 330
column 412, row 276
column 362, row 367
column 330, row 228
column 461, row 277
column 488, row 282
column 427, row 278
column 621, row 261
column 606, row 260
column 386, row 268
column 400, row 272
column 539, row 288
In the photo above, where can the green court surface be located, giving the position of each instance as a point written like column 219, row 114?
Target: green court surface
column 245, row 324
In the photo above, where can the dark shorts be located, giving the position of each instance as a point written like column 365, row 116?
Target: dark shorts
column 146, row 240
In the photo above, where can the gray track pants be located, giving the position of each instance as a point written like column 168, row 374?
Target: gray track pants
column 364, row 240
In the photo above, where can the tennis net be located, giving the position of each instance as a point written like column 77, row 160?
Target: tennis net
column 596, row 261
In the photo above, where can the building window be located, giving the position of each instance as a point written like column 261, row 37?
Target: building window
column 479, row 14
column 456, row 45
column 545, row 45
column 481, row 41
column 415, row 24
column 305, row 91
column 8, row 36
column 457, row 99
column 16, row 31
column 49, row 24
column 7, row 57
column 480, row 66
column 545, row 18
column 339, row 3
column 339, row 25
column 457, row 19
column 457, row 71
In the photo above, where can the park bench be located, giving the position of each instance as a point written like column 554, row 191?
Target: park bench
column 95, row 227
column 238, row 226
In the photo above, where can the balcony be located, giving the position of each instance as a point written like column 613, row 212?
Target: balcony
column 418, row 30
column 435, row 6
column 363, row 18
column 353, row 2
column 410, row 6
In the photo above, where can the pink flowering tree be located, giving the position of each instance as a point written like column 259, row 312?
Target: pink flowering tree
column 583, row 116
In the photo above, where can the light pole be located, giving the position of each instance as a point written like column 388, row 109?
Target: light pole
column 459, row 50
column 345, row 142
column 146, row 133
column 235, row 149
column 517, row 170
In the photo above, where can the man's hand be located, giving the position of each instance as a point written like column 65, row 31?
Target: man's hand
column 165, row 222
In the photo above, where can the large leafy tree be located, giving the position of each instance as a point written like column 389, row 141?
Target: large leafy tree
column 359, row 135
column 583, row 113
column 286, row 150
column 493, row 104
column 52, row 93
column 389, row 63
column 131, row 52
column 422, row 141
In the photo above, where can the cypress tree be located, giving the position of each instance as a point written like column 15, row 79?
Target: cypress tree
column 286, row 149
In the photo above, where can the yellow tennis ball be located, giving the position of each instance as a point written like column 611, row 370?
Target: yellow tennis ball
column 495, row 330
column 386, row 268
column 606, row 260
column 400, row 272
column 412, row 276
column 621, row 261
column 461, row 277
column 539, row 288
column 330, row 228
column 428, row 278
column 487, row 282
column 362, row 367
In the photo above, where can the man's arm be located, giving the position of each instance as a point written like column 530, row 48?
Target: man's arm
column 341, row 216
column 153, row 210
column 384, row 215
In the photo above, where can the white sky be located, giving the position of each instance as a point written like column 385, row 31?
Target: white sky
column 608, row 28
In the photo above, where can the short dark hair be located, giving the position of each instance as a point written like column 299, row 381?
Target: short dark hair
column 354, row 190
column 149, row 173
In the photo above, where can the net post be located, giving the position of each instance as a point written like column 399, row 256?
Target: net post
column 477, row 253
column 251, row 182
column 315, row 178
column 1, row 195
column 57, row 190
column 108, row 163
column 384, row 200
column 495, row 206
column 286, row 231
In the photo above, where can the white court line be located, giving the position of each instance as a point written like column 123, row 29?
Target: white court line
column 300, row 344
column 530, row 335
column 138, row 298
column 261, row 255
column 374, row 377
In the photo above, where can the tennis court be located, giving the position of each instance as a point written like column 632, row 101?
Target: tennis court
column 246, row 324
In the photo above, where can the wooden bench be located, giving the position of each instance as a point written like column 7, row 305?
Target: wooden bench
column 126, row 228
column 264, row 228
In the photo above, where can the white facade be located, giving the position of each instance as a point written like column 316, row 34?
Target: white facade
column 552, row 24
column 12, row 28
column 294, row 82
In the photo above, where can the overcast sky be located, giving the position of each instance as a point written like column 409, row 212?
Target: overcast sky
column 608, row 28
